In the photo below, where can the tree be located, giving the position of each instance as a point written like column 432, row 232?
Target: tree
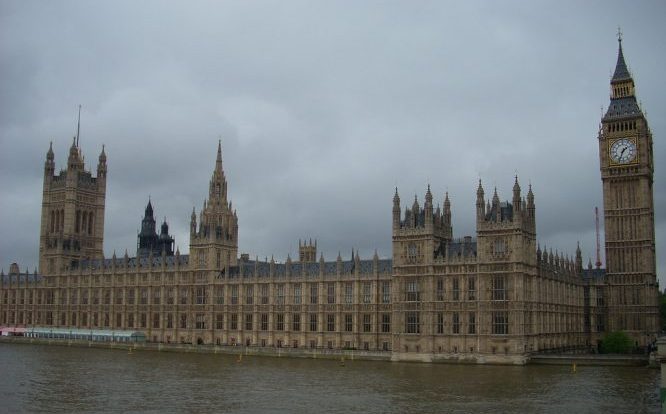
column 616, row 343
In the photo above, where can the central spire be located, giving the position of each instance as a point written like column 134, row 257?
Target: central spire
column 218, row 162
column 621, row 72
column 218, row 184
column 623, row 93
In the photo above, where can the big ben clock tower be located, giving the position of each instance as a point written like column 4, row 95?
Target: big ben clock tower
column 627, row 169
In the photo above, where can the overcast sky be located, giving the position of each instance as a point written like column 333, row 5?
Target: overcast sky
column 323, row 108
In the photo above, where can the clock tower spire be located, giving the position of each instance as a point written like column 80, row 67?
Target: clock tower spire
column 626, row 162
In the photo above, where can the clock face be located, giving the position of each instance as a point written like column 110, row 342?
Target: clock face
column 623, row 151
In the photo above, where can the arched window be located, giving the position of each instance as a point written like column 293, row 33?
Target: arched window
column 78, row 221
column 90, row 223
column 52, row 221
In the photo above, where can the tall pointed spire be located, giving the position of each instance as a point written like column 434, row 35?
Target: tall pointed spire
column 49, row 164
column 516, row 195
column 49, row 154
column 396, row 209
column 623, row 102
column 218, row 162
column 621, row 72
column 218, row 185
column 78, row 127
column 149, row 208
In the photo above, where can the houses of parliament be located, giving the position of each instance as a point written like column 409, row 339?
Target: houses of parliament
column 494, row 297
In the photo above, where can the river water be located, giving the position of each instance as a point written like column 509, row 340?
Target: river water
column 36, row 378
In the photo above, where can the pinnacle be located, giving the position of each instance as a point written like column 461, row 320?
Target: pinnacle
column 621, row 71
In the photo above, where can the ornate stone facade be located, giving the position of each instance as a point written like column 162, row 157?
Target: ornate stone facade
column 496, row 297
column 627, row 169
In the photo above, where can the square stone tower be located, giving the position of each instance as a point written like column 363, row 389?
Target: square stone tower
column 72, row 225
column 627, row 169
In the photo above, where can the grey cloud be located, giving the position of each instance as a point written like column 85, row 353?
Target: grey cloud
column 323, row 109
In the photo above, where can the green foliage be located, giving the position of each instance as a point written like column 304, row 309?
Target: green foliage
column 616, row 343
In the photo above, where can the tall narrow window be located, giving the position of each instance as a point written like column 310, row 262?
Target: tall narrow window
column 349, row 293
column 440, row 322
column 297, row 294
column 349, row 322
column 367, row 292
column 386, row 292
column 84, row 222
column 455, row 323
column 412, row 294
column 367, row 322
column 249, row 295
column 386, row 323
column 471, row 288
column 280, row 294
column 201, row 295
column 499, row 288
column 234, row 294
column 500, row 323
column 440, row 289
column 330, row 292
column 314, row 293
column 412, row 322
column 200, row 321
column 263, row 293
column 455, row 289
column 219, row 295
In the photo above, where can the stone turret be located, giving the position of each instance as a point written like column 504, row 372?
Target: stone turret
column 214, row 245
column 72, row 221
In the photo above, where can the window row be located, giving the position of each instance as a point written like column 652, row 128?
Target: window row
column 499, row 322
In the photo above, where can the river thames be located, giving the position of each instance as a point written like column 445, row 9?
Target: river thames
column 37, row 378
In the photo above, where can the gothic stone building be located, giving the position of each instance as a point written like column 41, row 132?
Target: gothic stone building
column 497, row 297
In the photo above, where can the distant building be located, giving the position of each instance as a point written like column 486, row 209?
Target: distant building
column 149, row 241
column 496, row 297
